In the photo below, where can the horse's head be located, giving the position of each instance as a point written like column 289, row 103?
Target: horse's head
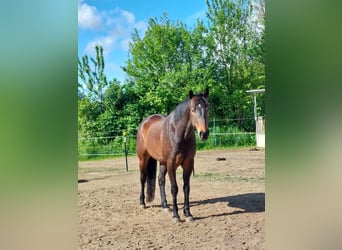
column 199, row 114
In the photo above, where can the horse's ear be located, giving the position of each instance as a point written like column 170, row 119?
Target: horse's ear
column 191, row 94
column 206, row 93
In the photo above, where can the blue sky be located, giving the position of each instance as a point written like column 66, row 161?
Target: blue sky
column 110, row 23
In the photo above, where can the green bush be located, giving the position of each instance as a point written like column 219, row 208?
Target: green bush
column 227, row 136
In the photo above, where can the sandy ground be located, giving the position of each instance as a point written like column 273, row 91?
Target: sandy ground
column 227, row 200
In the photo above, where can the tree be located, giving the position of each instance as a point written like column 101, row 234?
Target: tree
column 238, row 51
column 94, row 80
column 98, row 98
column 166, row 63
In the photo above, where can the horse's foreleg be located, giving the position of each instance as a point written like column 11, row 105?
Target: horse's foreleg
column 161, row 179
column 187, row 170
column 174, row 191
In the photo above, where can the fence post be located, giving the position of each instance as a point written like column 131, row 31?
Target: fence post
column 124, row 136
column 214, row 129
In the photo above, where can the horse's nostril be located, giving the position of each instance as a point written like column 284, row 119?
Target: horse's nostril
column 203, row 134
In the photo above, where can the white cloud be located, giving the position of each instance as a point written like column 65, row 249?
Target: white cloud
column 112, row 30
column 118, row 27
column 191, row 20
column 141, row 26
column 125, row 44
column 107, row 42
column 88, row 16
column 130, row 18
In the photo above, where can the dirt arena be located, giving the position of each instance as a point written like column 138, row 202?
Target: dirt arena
column 227, row 200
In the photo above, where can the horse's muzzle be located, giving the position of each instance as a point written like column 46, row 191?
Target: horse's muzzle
column 203, row 135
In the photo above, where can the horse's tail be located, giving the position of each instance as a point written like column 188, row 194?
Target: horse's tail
column 151, row 179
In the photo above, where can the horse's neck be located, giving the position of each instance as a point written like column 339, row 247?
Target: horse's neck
column 189, row 130
column 182, row 127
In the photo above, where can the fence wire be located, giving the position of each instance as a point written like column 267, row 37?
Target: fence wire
column 88, row 149
column 223, row 133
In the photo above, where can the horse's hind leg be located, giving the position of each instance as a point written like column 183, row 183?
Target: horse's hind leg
column 143, row 178
column 161, row 179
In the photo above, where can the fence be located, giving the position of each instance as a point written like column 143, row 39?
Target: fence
column 223, row 133
column 260, row 131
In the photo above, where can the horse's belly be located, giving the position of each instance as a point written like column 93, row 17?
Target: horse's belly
column 154, row 150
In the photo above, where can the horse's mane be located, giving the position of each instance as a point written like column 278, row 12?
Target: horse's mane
column 178, row 112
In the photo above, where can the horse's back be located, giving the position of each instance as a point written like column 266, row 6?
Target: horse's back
column 151, row 121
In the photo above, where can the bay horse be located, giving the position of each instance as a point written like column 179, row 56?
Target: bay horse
column 171, row 141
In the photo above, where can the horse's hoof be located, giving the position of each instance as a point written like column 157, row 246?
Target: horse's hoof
column 166, row 210
column 176, row 219
column 188, row 219
column 143, row 206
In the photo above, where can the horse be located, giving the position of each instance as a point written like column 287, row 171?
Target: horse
column 171, row 141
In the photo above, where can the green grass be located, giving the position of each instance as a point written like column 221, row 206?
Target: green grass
column 227, row 136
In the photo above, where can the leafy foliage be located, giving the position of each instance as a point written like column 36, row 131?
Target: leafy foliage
column 166, row 63
column 237, row 53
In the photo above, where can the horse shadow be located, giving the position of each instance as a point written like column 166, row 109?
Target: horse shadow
column 248, row 203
